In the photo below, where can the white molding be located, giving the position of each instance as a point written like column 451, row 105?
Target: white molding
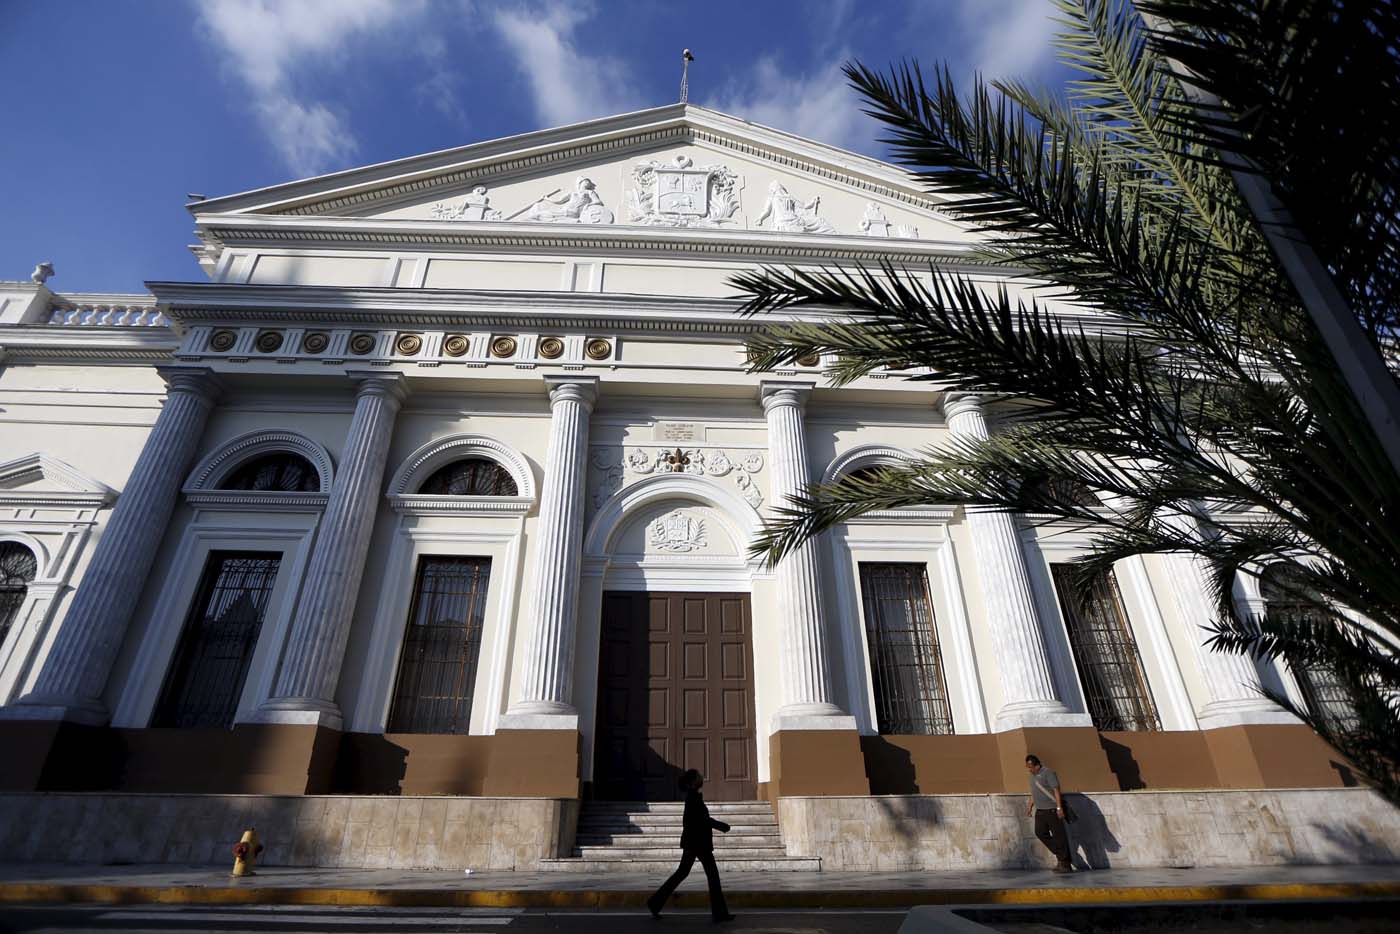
column 214, row 467
column 503, row 545
column 440, row 452
column 257, row 501
column 741, row 520
column 291, row 535
column 866, row 455
column 414, row 504
column 82, row 489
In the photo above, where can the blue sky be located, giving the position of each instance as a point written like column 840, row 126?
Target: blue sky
column 116, row 108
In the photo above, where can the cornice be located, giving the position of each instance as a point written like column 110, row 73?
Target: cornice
column 415, row 504
column 256, row 501
column 614, row 239
column 49, row 342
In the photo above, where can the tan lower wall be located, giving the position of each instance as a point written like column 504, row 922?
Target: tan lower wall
column 1115, row 829
column 332, row 831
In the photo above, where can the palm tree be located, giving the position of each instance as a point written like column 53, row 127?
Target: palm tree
column 1201, row 403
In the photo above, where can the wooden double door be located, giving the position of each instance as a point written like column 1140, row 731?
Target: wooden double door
column 675, row 692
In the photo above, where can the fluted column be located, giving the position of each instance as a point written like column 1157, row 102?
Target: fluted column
column 74, row 673
column 547, row 689
column 808, row 701
column 1028, row 687
column 1231, row 680
column 310, row 669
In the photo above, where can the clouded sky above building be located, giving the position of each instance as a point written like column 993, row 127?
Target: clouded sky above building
column 116, row 110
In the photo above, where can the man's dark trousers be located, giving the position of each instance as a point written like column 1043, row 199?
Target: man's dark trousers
column 718, row 908
column 1051, row 831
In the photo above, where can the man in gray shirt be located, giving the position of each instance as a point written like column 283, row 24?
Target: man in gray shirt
column 1049, row 810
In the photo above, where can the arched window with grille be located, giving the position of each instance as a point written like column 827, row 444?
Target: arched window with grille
column 276, row 472
column 906, row 664
column 471, row 476
column 1286, row 598
column 1105, row 653
column 17, row 568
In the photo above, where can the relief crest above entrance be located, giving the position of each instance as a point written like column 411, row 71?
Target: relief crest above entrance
column 679, row 194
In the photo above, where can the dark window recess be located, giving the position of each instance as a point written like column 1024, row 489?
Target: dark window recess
column 279, row 472
column 1110, row 668
column 206, row 676
column 473, row 476
column 17, row 568
column 906, row 667
column 437, row 671
column 1323, row 693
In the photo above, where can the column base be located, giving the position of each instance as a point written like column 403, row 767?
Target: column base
column 537, row 721
column 1037, row 715
column 299, row 711
column 816, row 761
column 88, row 712
column 1242, row 713
column 534, row 763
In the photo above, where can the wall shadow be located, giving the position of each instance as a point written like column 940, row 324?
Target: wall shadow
column 1090, row 839
column 889, row 768
column 1122, row 764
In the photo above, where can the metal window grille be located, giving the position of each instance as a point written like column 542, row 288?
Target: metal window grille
column 206, row 677
column 17, row 568
column 1105, row 653
column 1323, row 693
column 280, row 472
column 906, row 667
column 473, row 476
column 437, row 670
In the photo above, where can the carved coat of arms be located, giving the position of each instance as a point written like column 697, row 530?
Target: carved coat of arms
column 676, row 194
column 677, row 532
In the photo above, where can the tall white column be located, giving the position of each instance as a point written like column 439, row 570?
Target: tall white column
column 808, row 700
column 310, row 670
column 1231, row 681
column 1028, row 687
column 70, row 683
column 547, row 689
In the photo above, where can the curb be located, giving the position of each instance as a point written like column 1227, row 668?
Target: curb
column 45, row 892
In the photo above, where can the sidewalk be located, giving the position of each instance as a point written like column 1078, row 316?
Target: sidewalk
column 210, row 885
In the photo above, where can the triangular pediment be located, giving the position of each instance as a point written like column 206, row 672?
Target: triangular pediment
column 672, row 167
column 40, row 477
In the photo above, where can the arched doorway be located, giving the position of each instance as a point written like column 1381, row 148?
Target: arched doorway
column 675, row 679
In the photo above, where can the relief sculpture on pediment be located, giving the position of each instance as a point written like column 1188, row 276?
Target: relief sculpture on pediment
column 789, row 215
column 677, row 194
column 475, row 207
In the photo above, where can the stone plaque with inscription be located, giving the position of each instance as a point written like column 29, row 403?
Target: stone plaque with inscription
column 678, row 431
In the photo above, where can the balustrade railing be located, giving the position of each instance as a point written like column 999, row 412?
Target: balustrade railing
column 115, row 312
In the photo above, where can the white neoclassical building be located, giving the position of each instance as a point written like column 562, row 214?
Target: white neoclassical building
column 444, row 483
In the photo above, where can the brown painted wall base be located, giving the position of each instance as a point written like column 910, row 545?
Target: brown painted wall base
column 1160, row 760
column 534, row 764
column 1073, row 752
column 49, row 756
column 816, row 762
column 412, row 764
column 268, row 759
column 1275, row 756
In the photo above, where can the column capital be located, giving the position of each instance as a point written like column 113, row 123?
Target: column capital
column 392, row 386
column 197, row 381
column 958, row 403
column 580, row 389
column 775, row 393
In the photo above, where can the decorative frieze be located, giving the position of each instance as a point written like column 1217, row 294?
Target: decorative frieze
column 378, row 347
column 680, row 195
column 614, row 466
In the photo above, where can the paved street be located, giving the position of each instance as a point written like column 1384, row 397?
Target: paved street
column 178, row 919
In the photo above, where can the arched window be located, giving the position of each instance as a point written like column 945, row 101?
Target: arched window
column 1286, row 598
column 17, row 568
column 868, row 472
column 471, row 476
column 278, row 472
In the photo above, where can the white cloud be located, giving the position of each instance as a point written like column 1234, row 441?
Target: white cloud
column 267, row 43
column 566, row 84
column 818, row 105
column 1005, row 38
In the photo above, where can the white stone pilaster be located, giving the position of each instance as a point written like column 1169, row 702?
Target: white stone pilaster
column 808, row 700
column 1028, row 686
column 69, row 685
column 310, row 670
column 1231, row 680
column 547, row 690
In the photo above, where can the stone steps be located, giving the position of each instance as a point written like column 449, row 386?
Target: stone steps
column 644, row 837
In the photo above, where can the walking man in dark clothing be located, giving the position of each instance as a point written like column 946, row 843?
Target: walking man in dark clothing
column 1049, row 809
column 697, row 842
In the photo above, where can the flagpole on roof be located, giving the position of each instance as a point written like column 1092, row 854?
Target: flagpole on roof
column 686, row 59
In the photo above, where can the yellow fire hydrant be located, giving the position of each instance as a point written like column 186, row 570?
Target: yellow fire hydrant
column 245, row 853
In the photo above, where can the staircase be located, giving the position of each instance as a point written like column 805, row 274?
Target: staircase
column 642, row 837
